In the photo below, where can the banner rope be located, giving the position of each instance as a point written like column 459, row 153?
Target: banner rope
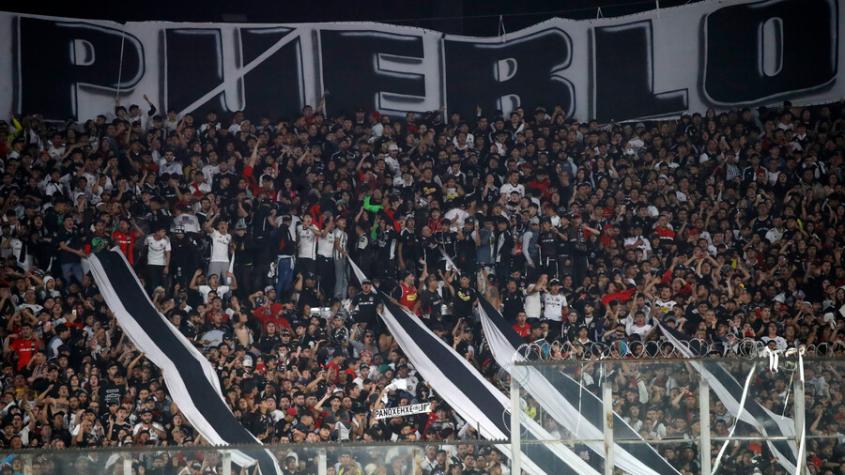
column 736, row 421
column 120, row 66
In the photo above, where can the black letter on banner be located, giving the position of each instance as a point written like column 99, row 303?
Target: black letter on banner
column 759, row 51
column 503, row 76
column 198, row 61
column 623, row 75
column 276, row 87
column 354, row 76
column 194, row 67
column 59, row 59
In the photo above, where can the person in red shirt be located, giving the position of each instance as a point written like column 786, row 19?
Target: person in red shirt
column 125, row 238
column 408, row 293
column 522, row 327
column 267, row 310
column 541, row 183
column 24, row 344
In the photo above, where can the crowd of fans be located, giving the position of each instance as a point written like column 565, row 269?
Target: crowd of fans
column 726, row 227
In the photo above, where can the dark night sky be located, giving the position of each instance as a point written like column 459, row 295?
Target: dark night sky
column 469, row 17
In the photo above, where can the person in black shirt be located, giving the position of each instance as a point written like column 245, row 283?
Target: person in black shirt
column 548, row 244
column 513, row 301
column 116, row 422
column 158, row 217
column 113, row 390
column 409, row 251
column 385, row 243
column 363, row 250
column 365, row 306
column 184, row 257
column 69, row 245
column 465, row 248
column 431, row 300
column 464, row 298
column 309, row 293
column 260, row 421
column 431, row 255
column 244, row 261
column 270, row 340
column 504, row 248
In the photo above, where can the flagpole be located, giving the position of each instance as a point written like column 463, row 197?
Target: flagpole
column 704, row 424
column 607, row 403
column 516, row 449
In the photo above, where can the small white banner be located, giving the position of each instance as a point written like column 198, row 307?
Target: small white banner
column 403, row 410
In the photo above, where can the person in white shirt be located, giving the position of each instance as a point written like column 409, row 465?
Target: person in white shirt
column 213, row 285
column 211, row 169
column 56, row 147
column 158, row 259
column 169, row 164
column 553, row 303
column 775, row 233
column 53, row 184
column 664, row 303
column 221, row 242
column 513, row 185
column 392, row 158
column 171, row 121
column 186, row 220
column 146, row 423
column 61, row 337
column 639, row 242
column 306, row 246
column 533, row 298
column 638, row 325
column 774, row 341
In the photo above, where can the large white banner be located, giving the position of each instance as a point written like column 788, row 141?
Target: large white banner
column 719, row 54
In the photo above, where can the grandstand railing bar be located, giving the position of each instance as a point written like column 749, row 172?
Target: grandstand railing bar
column 662, row 350
column 690, row 375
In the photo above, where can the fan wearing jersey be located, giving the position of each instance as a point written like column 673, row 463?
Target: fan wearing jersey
column 341, row 270
column 553, row 303
column 325, row 256
column 221, row 244
column 306, row 246
column 158, row 259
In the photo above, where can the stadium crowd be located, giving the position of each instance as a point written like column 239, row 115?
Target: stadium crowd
column 728, row 227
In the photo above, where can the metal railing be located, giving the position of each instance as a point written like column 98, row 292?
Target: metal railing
column 611, row 380
column 312, row 458
column 657, row 349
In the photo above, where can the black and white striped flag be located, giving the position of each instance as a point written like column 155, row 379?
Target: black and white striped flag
column 190, row 378
column 471, row 396
column 730, row 392
column 572, row 406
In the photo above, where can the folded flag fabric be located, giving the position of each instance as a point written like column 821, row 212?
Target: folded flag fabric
column 471, row 395
column 730, row 391
column 190, row 378
column 574, row 407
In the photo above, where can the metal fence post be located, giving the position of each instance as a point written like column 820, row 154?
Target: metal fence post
column 227, row 462
column 800, row 421
column 321, row 462
column 127, row 464
column 516, row 449
column 607, row 412
column 704, row 425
